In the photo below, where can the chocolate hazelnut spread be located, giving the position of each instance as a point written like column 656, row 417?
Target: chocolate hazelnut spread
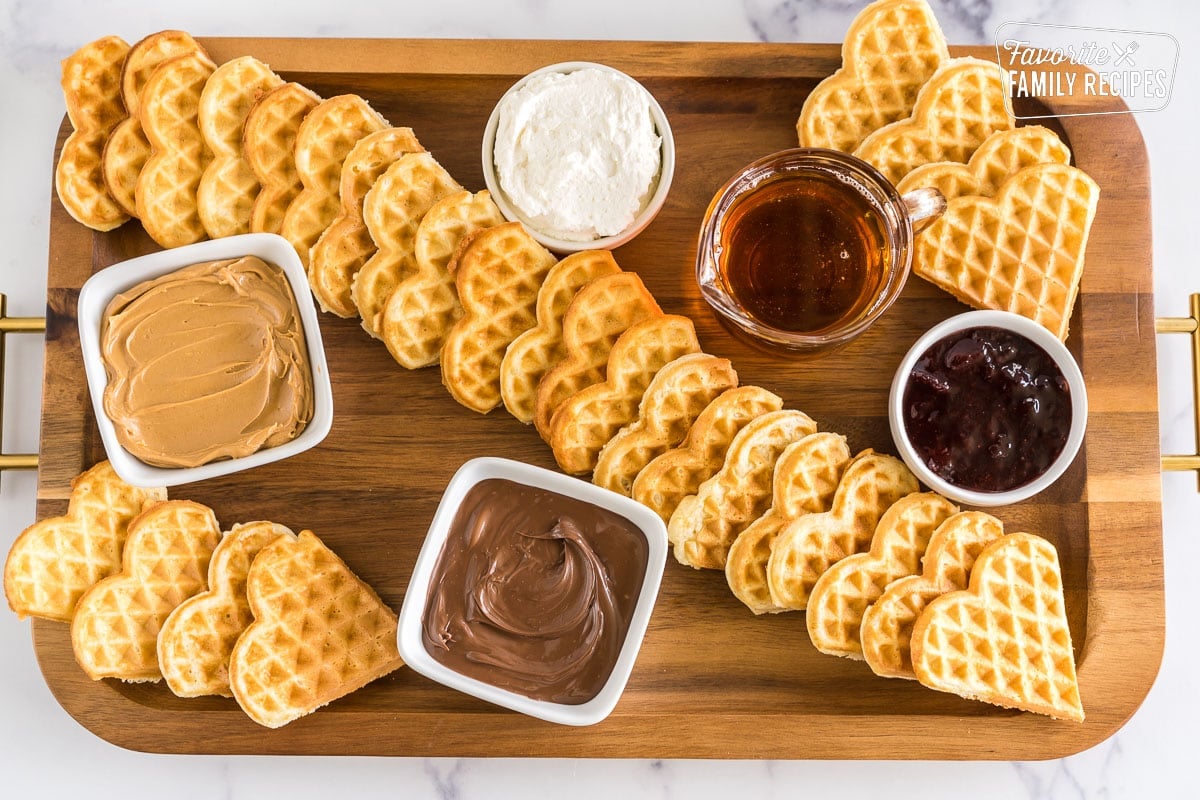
column 533, row 591
column 206, row 363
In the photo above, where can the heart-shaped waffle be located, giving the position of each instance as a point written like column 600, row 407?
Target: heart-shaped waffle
column 705, row 524
column 671, row 403
column 887, row 625
column 677, row 473
column 534, row 352
column 1002, row 155
column 586, row 420
column 115, row 629
column 198, row 636
column 392, row 210
column 804, row 482
column 228, row 186
column 842, row 595
column 268, row 145
column 166, row 187
column 91, row 83
column 127, row 148
column 956, row 110
column 498, row 275
column 424, row 305
column 538, row 349
column 1004, row 640
column 808, row 546
column 890, row 50
column 54, row 561
column 323, row 141
column 596, row 318
column 346, row 245
column 319, row 633
column 1021, row 251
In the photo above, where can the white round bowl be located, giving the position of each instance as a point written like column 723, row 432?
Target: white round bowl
column 647, row 214
column 1039, row 336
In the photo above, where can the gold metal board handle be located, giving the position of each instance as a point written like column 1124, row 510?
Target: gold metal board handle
column 1191, row 326
column 14, row 325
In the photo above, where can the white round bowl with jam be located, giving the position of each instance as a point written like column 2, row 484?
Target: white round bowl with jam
column 988, row 408
column 582, row 128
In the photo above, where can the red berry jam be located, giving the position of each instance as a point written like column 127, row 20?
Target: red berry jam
column 987, row 409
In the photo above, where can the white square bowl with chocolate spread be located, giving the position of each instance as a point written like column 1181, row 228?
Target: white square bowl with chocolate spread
column 533, row 590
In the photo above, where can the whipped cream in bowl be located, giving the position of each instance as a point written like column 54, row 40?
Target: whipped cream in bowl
column 581, row 153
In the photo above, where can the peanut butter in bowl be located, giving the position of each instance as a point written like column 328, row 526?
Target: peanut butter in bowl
column 205, row 363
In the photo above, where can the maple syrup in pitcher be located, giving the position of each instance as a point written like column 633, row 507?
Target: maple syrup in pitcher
column 804, row 249
column 804, row 253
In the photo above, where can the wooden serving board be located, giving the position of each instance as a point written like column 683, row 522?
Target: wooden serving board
column 712, row 680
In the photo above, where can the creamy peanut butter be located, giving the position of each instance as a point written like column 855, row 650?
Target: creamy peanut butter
column 206, row 363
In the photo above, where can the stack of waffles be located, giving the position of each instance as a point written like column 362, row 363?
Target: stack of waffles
column 153, row 589
column 1014, row 235
column 906, row 581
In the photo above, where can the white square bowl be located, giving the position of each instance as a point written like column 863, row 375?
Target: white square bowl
column 94, row 298
column 412, row 613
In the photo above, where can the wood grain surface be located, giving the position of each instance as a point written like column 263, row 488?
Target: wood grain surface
column 712, row 680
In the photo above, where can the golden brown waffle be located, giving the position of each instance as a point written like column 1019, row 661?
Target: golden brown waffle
column 1020, row 251
column 198, row 636
column 54, row 561
column 228, row 186
column 392, row 211
column 956, row 110
column 346, row 244
column 424, row 305
column 887, row 625
column 145, row 56
column 842, row 595
column 498, row 274
column 537, row 350
column 115, row 629
column 596, row 318
column 1002, row 155
column 678, row 473
column 167, row 185
column 323, row 141
column 319, row 633
column 268, row 145
column 805, row 479
column 586, row 420
column 1004, row 640
column 890, row 51
column 127, row 148
column 705, row 524
column 808, row 546
column 125, row 153
column 91, row 84
column 671, row 403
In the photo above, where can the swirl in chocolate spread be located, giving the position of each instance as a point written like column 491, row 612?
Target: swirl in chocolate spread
column 533, row 591
column 205, row 363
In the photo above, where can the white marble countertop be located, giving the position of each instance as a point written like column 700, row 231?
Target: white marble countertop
column 44, row 753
